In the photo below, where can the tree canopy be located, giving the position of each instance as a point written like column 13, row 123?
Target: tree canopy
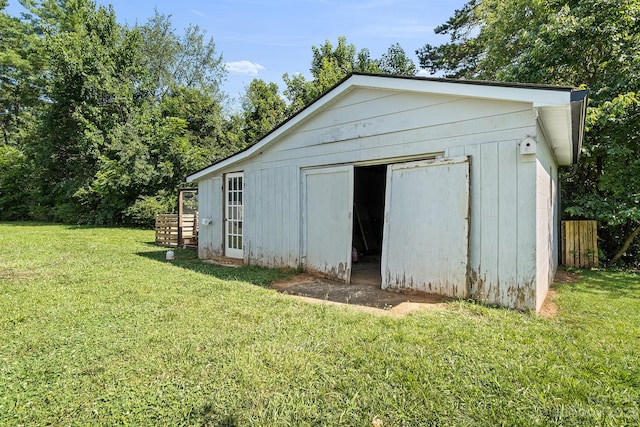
column 583, row 43
column 331, row 64
column 101, row 122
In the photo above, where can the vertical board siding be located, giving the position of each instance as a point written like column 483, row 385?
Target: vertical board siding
column 293, row 217
column 252, row 226
column 490, row 232
column 271, row 210
column 278, row 214
column 524, row 294
column 327, row 228
column 544, row 232
column 502, row 259
column 580, row 244
column 508, row 216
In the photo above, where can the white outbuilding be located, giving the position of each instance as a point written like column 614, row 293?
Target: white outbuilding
column 444, row 186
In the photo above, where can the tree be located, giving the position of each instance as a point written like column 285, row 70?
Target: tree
column 19, row 77
column 105, row 119
column 395, row 61
column 20, row 106
column 179, row 61
column 185, row 73
column 14, row 168
column 202, row 113
column 263, row 109
column 93, row 71
column 579, row 43
column 329, row 65
column 299, row 91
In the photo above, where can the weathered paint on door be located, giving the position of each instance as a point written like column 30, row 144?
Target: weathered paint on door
column 234, row 189
column 426, row 229
column 327, row 224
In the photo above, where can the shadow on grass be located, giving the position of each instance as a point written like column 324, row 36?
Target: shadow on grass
column 616, row 284
column 188, row 259
column 207, row 416
column 70, row 226
column 31, row 224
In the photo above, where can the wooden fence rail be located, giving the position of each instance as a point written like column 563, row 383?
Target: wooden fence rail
column 580, row 244
column 169, row 231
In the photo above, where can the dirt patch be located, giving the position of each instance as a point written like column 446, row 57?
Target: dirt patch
column 365, row 297
column 225, row 262
column 8, row 272
column 564, row 276
column 549, row 308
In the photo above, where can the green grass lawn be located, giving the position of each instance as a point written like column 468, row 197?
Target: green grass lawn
column 96, row 328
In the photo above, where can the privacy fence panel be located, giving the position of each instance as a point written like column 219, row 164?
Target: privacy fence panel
column 580, row 244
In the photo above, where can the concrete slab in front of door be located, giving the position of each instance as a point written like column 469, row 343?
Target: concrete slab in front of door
column 361, row 296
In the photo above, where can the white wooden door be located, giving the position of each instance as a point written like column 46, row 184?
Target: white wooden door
column 234, row 188
column 426, row 228
column 327, row 224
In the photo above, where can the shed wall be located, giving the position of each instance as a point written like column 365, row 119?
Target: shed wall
column 503, row 241
column 392, row 125
column 547, row 233
column 373, row 126
column 272, row 216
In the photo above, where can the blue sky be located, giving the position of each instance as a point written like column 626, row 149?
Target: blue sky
column 267, row 38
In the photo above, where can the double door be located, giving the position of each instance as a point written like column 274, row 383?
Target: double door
column 426, row 224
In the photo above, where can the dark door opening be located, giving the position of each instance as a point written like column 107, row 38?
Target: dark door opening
column 368, row 223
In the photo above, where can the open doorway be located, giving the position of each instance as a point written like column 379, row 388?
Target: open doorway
column 368, row 223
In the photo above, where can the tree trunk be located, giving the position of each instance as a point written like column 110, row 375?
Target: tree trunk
column 625, row 245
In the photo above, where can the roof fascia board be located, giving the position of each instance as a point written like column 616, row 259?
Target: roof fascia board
column 539, row 96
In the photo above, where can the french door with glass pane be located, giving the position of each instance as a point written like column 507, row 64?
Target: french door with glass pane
column 234, row 186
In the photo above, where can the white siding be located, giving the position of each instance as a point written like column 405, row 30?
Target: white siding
column 368, row 125
column 546, row 219
column 210, row 236
column 395, row 125
column 383, row 126
column 272, row 216
column 502, row 259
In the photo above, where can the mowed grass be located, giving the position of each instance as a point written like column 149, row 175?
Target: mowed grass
column 96, row 328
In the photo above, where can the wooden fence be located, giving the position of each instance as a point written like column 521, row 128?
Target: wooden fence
column 171, row 232
column 580, row 244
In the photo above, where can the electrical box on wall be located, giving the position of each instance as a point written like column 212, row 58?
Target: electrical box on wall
column 528, row 145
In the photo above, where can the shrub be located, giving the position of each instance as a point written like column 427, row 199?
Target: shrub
column 145, row 209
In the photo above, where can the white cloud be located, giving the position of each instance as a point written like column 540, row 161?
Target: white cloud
column 244, row 67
